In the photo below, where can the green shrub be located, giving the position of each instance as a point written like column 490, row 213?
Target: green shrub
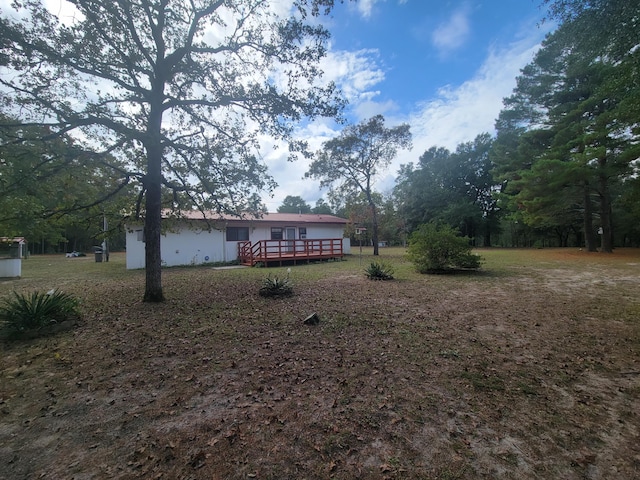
column 438, row 248
column 30, row 312
column 379, row 271
column 276, row 287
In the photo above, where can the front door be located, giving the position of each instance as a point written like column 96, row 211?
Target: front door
column 290, row 235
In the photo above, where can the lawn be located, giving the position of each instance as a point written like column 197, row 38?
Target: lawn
column 528, row 369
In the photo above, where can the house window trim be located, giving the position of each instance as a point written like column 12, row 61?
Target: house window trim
column 279, row 231
column 236, row 237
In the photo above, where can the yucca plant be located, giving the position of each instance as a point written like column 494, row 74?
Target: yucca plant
column 28, row 312
column 276, row 287
column 379, row 271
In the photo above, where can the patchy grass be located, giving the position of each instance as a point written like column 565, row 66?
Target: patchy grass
column 528, row 369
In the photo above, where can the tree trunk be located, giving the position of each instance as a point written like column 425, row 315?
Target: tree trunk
column 587, row 220
column 605, row 216
column 152, row 231
column 153, row 214
column 605, row 207
column 486, row 240
column 374, row 215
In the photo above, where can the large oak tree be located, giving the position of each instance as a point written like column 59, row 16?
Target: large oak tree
column 180, row 89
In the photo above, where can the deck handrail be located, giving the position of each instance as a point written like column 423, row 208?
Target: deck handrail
column 279, row 250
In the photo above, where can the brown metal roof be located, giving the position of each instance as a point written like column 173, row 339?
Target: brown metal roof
column 267, row 217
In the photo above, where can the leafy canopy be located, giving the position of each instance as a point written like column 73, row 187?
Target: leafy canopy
column 350, row 162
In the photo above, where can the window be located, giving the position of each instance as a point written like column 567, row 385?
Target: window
column 276, row 233
column 237, row 234
column 140, row 235
column 302, row 232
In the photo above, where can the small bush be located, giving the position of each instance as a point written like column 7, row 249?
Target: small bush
column 438, row 248
column 26, row 313
column 276, row 287
column 379, row 271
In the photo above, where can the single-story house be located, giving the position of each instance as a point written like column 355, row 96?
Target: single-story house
column 192, row 240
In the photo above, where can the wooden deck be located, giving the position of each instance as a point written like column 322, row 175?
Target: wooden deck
column 279, row 251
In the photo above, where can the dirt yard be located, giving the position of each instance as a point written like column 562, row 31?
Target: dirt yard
column 529, row 369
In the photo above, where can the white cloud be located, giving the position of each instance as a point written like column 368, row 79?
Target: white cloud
column 354, row 72
column 459, row 113
column 455, row 115
column 453, row 33
column 290, row 175
column 365, row 7
column 370, row 108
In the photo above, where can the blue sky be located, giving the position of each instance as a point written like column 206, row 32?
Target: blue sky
column 443, row 67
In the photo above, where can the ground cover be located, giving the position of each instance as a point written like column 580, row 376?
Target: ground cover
column 529, row 368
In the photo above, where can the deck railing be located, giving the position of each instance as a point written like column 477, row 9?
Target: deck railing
column 266, row 251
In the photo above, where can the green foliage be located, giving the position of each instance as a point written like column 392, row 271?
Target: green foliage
column 26, row 313
column 52, row 193
column 294, row 204
column 276, row 287
column 452, row 187
column 379, row 271
column 350, row 162
column 437, row 248
column 200, row 145
column 568, row 136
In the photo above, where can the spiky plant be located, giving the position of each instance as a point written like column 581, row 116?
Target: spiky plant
column 28, row 312
column 276, row 287
column 379, row 271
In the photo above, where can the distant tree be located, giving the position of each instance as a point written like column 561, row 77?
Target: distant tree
column 350, row 162
column 294, row 204
column 322, row 208
column 179, row 89
column 452, row 187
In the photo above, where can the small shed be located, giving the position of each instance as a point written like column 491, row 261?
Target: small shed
column 12, row 251
column 13, row 247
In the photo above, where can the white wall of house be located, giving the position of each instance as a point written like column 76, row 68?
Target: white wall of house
column 192, row 246
column 184, row 247
column 135, row 247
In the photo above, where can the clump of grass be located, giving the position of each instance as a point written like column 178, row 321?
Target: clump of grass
column 276, row 286
column 379, row 271
column 25, row 313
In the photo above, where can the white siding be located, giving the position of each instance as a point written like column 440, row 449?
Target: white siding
column 193, row 247
column 135, row 248
column 186, row 247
